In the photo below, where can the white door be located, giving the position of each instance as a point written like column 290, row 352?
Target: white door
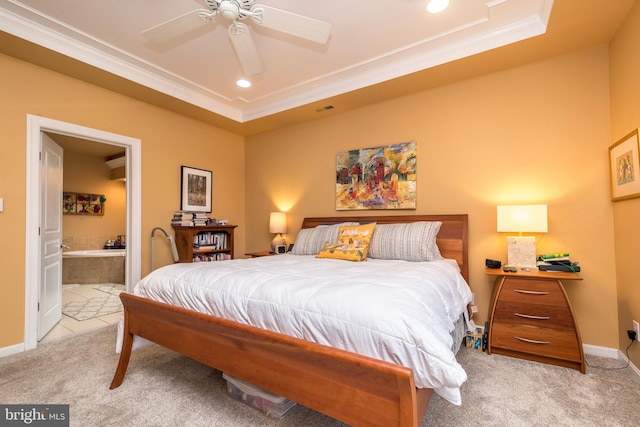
column 50, row 296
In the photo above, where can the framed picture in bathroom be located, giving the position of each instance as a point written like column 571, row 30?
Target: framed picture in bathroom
column 83, row 204
column 195, row 189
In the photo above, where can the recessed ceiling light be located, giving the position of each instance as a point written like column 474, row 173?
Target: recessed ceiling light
column 437, row 6
column 243, row 83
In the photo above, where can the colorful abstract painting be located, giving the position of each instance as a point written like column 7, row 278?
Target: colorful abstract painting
column 377, row 177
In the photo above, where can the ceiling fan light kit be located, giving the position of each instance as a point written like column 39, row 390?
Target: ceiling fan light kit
column 241, row 39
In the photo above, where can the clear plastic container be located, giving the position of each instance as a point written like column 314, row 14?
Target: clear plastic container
column 270, row 404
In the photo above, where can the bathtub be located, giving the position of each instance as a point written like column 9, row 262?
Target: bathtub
column 94, row 253
column 93, row 266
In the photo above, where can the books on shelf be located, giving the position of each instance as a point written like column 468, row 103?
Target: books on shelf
column 211, row 257
column 210, row 241
column 211, row 246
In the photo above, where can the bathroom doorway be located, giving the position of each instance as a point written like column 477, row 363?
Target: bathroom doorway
column 37, row 127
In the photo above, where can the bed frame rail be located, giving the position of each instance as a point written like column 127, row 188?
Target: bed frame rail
column 355, row 389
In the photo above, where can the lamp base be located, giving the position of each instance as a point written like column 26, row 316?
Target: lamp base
column 277, row 241
column 521, row 252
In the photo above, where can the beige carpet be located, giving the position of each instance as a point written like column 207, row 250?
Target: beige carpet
column 164, row 389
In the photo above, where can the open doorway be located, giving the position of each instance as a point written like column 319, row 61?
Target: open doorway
column 37, row 127
column 85, row 296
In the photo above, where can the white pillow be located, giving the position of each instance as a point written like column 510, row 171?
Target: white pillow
column 414, row 241
column 311, row 240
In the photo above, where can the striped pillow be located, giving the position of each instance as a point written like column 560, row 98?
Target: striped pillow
column 415, row 241
column 311, row 240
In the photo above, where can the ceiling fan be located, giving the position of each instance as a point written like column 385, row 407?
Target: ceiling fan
column 235, row 11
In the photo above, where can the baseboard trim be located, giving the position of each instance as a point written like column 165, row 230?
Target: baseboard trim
column 609, row 353
column 596, row 350
column 624, row 357
column 12, row 349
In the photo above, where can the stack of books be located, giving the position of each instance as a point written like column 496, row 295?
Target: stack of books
column 190, row 219
column 200, row 218
column 182, row 219
column 557, row 262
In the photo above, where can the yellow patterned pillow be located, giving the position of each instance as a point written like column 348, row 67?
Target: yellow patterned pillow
column 353, row 243
column 345, row 252
column 356, row 234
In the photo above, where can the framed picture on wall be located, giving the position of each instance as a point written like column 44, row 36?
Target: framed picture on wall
column 624, row 165
column 195, row 190
column 381, row 177
column 83, row 204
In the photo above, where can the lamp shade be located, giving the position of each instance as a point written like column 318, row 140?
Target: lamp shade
column 277, row 222
column 522, row 218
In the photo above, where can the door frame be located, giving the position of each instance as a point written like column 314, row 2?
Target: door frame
column 35, row 126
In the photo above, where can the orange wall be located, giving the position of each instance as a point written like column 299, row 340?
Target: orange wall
column 84, row 173
column 537, row 133
column 168, row 140
column 625, row 117
column 533, row 134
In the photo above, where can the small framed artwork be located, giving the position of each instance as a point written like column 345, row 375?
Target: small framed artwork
column 83, row 204
column 624, row 165
column 195, row 190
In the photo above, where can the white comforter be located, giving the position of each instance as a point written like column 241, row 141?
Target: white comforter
column 398, row 311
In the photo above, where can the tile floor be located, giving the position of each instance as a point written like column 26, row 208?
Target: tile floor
column 68, row 325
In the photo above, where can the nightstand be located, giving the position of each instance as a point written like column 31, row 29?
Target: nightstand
column 259, row 254
column 531, row 318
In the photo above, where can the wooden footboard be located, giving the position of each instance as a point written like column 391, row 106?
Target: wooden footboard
column 355, row 389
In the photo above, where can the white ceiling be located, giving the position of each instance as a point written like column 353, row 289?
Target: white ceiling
column 371, row 42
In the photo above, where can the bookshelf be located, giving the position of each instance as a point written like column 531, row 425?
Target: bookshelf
column 204, row 243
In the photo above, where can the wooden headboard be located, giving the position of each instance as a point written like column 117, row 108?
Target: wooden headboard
column 451, row 240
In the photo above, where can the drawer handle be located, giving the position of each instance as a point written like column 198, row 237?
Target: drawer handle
column 522, row 291
column 530, row 316
column 532, row 341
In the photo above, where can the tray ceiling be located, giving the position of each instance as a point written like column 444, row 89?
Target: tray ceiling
column 370, row 42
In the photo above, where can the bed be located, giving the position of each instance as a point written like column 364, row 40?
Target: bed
column 356, row 388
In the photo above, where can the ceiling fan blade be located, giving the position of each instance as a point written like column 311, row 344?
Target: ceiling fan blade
column 245, row 49
column 179, row 26
column 291, row 23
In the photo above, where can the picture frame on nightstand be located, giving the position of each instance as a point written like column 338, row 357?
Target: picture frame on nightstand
column 624, row 166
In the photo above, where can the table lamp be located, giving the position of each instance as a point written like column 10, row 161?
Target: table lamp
column 521, row 250
column 278, row 225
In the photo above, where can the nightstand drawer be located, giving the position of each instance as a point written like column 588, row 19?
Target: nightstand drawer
column 543, row 316
column 536, row 341
column 532, row 292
